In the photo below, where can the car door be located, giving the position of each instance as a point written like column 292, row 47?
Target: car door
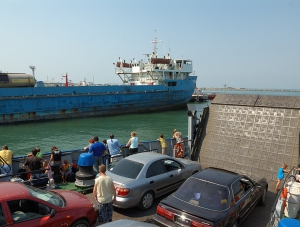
column 27, row 212
column 252, row 190
column 157, row 178
column 174, row 170
column 3, row 221
column 241, row 199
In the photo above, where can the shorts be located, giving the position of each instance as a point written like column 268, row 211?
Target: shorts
column 105, row 212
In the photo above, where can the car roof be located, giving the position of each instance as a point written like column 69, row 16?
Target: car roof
column 145, row 157
column 13, row 189
column 218, row 176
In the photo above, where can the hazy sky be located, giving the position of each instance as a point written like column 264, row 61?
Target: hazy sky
column 252, row 44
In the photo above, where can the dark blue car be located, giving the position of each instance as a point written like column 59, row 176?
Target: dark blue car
column 212, row 197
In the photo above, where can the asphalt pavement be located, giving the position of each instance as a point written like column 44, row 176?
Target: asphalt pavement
column 259, row 216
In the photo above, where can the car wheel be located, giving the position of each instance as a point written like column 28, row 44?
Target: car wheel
column 263, row 197
column 80, row 223
column 146, row 201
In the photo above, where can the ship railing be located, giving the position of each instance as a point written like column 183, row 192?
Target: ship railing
column 36, row 178
column 275, row 217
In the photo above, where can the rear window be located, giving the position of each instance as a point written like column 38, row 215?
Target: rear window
column 127, row 168
column 203, row 194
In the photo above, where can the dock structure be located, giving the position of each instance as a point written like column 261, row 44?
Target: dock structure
column 250, row 134
column 198, row 97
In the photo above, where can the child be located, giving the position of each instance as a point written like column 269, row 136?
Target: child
column 64, row 171
column 280, row 175
column 163, row 143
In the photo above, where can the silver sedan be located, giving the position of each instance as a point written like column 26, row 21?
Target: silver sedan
column 140, row 178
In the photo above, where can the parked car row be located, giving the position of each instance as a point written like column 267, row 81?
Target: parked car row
column 209, row 197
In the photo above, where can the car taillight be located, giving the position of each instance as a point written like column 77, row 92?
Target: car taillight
column 122, row 191
column 200, row 224
column 165, row 213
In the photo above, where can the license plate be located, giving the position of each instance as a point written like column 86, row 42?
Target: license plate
column 182, row 221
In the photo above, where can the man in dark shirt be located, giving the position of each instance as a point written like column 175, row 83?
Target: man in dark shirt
column 33, row 163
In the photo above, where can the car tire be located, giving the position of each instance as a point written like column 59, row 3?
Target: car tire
column 263, row 197
column 80, row 223
column 146, row 201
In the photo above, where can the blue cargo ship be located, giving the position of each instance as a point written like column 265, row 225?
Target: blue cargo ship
column 151, row 85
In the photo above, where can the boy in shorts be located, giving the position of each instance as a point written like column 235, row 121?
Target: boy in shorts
column 280, row 175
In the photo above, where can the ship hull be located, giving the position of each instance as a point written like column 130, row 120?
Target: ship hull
column 46, row 103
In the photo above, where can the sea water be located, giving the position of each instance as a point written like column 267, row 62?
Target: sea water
column 68, row 134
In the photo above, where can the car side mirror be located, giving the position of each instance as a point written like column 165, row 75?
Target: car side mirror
column 257, row 185
column 52, row 213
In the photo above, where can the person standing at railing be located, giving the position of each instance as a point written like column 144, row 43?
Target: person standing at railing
column 97, row 149
column 33, row 163
column 91, row 141
column 106, row 155
column 280, row 175
column 133, row 142
column 7, row 156
column 163, row 143
column 178, row 148
column 113, row 145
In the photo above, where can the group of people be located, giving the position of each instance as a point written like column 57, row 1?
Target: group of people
column 103, row 150
column 36, row 163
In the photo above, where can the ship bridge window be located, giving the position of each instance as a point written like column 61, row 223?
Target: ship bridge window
column 4, row 77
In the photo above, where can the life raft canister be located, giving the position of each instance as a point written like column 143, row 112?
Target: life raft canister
column 283, row 197
column 178, row 150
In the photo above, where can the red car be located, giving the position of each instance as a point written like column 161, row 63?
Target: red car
column 22, row 205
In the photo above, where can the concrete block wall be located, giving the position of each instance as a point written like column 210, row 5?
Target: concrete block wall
column 252, row 134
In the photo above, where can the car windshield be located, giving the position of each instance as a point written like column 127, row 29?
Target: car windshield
column 127, row 168
column 204, row 194
column 47, row 196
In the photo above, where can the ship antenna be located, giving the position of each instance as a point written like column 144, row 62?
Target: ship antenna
column 154, row 42
column 32, row 68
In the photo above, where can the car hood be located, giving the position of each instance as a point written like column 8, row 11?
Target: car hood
column 185, row 207
column 74, row 199
column 118, row 179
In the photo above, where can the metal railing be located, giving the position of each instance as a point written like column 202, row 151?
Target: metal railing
column 274, row 219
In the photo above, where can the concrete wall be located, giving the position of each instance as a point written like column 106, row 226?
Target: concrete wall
column 252, row 134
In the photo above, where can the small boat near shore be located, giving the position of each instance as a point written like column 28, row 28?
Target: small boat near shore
column 198, row 96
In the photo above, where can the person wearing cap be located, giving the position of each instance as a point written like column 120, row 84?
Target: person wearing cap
column 97, row 149
column 113, row 145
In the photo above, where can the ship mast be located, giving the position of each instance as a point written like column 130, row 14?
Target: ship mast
column 154, row 42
